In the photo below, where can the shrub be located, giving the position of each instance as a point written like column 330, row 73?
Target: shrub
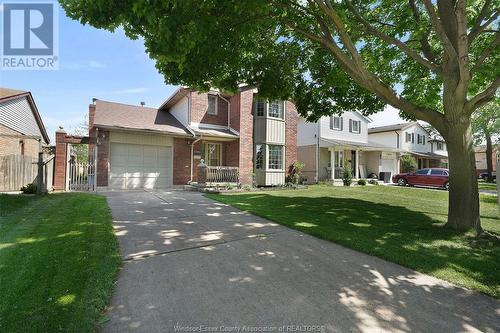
column 408, row 164
column 246, row 187
column 362, row 182
column 347, row 176
column 29, row 189
column 373, row 181
column 295, row 172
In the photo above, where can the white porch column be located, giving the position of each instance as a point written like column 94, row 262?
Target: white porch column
column 332, row 164
column 357, row 164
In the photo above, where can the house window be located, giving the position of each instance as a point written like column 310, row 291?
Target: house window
column 275, row 157
column 419, row 139
column 260, row 108
column 439, row 145
column 276, row 109
column 354, row 126
column 212, row 105
column 408, row 137
column 336, row 123
column 423, row 139
column 412, row 137
column 259, row 157
column 213, row 154
column 21, row 144
column 339, row 159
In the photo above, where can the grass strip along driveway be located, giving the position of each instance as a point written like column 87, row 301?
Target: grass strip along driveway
column 58, row 260
column 402, row 225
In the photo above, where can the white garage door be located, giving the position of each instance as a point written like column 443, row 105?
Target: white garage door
column 134, row 166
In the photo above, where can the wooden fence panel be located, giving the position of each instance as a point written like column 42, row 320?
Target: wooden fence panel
column 17, row 171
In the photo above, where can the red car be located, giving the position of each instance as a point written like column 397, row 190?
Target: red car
column 432, row 177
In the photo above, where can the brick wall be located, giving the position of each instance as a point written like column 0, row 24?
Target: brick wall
column 60, row 161
column 291, row 119
column 182, row 165
column 232, row 153
column 102, row 158
column 199, row 105
column 10, row 143
column 246, row 137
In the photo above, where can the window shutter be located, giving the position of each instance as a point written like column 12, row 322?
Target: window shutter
column 331, row 122
column 423, row 139
column 412, row 137
column 341, row 123
column 350, row 125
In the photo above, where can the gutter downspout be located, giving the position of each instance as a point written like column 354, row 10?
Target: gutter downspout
column 192, row 160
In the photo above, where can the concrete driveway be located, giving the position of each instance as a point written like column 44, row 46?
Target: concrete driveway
column 192, row 264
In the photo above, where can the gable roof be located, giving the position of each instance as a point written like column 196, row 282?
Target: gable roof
column 390, row 128
column 7, row 94
column 136, row 117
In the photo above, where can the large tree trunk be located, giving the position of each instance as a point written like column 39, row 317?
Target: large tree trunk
column 489, row 153
column 463, row 209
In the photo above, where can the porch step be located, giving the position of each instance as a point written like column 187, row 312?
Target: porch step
column 193, row 188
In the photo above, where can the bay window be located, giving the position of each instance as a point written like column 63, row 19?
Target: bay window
column 275, row 160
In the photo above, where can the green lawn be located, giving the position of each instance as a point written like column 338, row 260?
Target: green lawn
column 402, row 225
column 487, row 186
column 58, row 261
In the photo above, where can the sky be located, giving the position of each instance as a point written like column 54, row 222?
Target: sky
column 105, row 65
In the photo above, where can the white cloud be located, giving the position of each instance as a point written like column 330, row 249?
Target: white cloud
column 83, row 65
column 139, row 90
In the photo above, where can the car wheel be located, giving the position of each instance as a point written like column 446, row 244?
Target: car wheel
column 402, row 182
column 447, row 186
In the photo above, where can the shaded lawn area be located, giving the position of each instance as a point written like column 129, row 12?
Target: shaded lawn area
column 487, row 186
column 402, row 225
column 58, row 260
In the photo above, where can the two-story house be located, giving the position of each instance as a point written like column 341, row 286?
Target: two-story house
column 414, row 139
column 327, row 145
column 239, row 138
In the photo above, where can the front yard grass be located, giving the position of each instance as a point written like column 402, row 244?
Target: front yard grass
column 58, row 260
column 487, row 186
column 402, row 225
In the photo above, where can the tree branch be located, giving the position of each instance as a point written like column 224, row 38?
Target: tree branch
column 476, row 28
column 486, row 52
column 483, row 97
column 393, row 41
column 424, row 42
column 438, row 27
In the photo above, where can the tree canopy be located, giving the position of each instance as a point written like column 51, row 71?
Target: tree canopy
column 385, row 51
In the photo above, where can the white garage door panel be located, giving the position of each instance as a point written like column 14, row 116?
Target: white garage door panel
column 134, row 166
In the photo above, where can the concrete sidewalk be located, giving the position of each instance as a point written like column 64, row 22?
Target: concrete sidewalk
column 192, row 263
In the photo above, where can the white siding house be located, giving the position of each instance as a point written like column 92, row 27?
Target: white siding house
column 328, row 145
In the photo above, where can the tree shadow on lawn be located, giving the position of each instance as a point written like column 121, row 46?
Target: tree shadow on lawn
column 410, row 238
column 59, row 256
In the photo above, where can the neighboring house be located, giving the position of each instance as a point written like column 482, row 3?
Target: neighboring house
column 481, row 158
column 414, row 139
column 142, row 147
column 327, row 145
column 21, row 128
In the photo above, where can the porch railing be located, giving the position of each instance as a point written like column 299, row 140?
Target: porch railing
column 222, row 174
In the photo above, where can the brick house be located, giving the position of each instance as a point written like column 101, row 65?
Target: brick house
column 21, row 128
column 236, row 135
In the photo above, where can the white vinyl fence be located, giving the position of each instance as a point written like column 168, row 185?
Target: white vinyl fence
column 17, row 171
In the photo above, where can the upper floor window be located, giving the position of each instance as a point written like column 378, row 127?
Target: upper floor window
column 275, row 157
column 439, row 145
column 259, row 157
column 212, row 105
column 276, row 109
column 354, row 126
column 336, row 123
column 419, row 139
column 261, row 108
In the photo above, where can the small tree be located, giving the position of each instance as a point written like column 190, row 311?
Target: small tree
column 408, row 164
column 347, row 176
column 295, row 172
column 486, row 127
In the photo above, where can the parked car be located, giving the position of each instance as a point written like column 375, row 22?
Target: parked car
column 484, row 175
column 432, row 177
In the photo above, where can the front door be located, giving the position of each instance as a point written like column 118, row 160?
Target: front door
column 353, row 163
